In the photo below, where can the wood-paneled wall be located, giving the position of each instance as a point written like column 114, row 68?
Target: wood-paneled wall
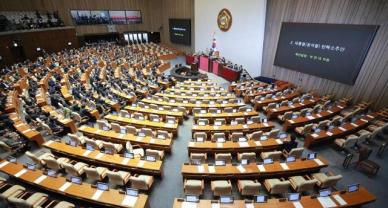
column 151, row 11
column 372, row 81
column 178, row 9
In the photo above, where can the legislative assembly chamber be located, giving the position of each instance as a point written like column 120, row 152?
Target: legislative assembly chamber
column 193, row 103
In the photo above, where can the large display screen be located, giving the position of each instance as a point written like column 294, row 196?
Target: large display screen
column 180, row 31
column 330, row 51
column 87, row 17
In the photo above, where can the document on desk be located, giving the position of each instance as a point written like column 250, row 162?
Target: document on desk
column 366, row 121
column 211, row 169
column 330, row 111
column 20, row 173
column 40, row 179
column 125, row 161
column 353, row 124
column 329, row 133
column 64, row 186
column 139, row 139
column 279, row 141
column 319, row 115
column 318, row 161
column 200, row 168
column 261, row 168
column 152, row 141
column 284, row 166
column 314, row 135
column 241, row 169
column 243, row 144
column 49, row 142
column 121, row 136
column 97, row 194
column 297, row 204
column 140, row 163
column 215, row 205
column 99, row 155
column 219, row 144
column 342, row 129
column 129, row 201
column 310, row 117
column 250, row 205
column 265, row 124
column 340, row 200
column 86, row 153
column 189, row 205
column 4, row 164
column 291, row 121
column 258, row 143
column 326, row 202
column 245, row 126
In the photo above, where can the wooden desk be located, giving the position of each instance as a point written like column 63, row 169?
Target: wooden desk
column 235, row 147
column 228, row 128
column 130, row 99
column 67, row 122
column 85, row 191
column 249, row 96
column 162, row 113
column 178, row 90
column 345, row 130
column 114, row 161
column 315, row 117
column 227, row 116
column 198, row 97
column 196, row 86
column 354, row 199
column 190, row 106
column 252, row 171
column 260, row 103
column 273, row 112
column 111, row 136
column 144, row 123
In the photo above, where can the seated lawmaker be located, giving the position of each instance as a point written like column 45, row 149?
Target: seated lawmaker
column 289, row 145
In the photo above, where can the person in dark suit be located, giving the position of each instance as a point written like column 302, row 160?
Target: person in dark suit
column 289, row 145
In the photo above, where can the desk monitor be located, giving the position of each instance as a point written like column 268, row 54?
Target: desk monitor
column 226, row 199
column 217, row 123
column 129, row 155
column 89, row 147
column 263, row 137
column 72, row 143
column 249, row 110
column 141, row 134
column 220, row 140
column 192, row 198
column 290, row 159
column 196, row 161
column 105, row 128
column 244, row 162
column 283, row 135
column 132, row 192
column 200, row 139
column 220, row 163
column 201, row 123
column 317, row 130
column 353, row 187
column 150, row 158
column 331, row 127
column 11, row 159
column 31, row 166
column 264, row 120
column 102, row 186
column 155, row 120
column 249, row 121
column 161, row 136
column 268, row 161
column 260, row 198
column 324, row 192
column 52, row 173
column 312, row 156
column 123, row 131
column 76, row 180
column 109, row 151
column 293, row 197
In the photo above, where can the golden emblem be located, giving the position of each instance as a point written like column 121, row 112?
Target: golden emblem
column 224, row 20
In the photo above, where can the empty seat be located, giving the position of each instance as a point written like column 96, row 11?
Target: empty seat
column 296, row 152
column 273, row 133
column 13, row 190
column 286, row 116
column 119, row 178
column 274, row 155
column 307, row 129
column 248, row 187
column 326, row 180
column 219, row 121
column 55, row 164
column 199, row 156
column 276, row 186
column 112, row 147
column 96, row 144
column 193, row 187
column 147, row 132
column 347, row 143
column 136, row 150
column 227, row 157
column 38, row 160
column 218, row 137
column 255, row 135
column 158, row 154
column 76, row 169
column 162, row 134
column 131, row 130
column 124, row 113
column 301, row 184
column 142, row 182
column 64, row 204
column 250, row 156
column 240, row 120
column 237, row 136
column 96, row 173
column 199, row 136
column 35, row 200
column 221, row 187
column 203, row 122
column 116, row 127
